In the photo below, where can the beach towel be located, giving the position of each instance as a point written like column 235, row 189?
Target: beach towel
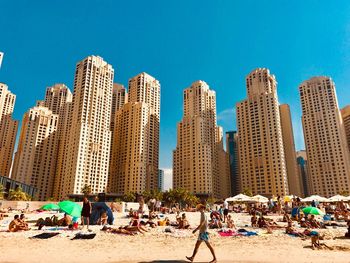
column 45, row 235
column 84, row 236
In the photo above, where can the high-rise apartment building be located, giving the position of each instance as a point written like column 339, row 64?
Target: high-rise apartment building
column 325, row 140
column 294, row 182
column 200, row 164
column 345, row 113
column 135, row 149
column 303, row 173
column 262, row 166
column 86, row 153
column 232, row 150
column 8, row 129
column 161, row 180
column 36, row 154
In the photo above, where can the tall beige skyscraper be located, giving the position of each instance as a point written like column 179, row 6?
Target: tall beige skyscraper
column 8, row 129
column 260, row 140
column 37, row 151
column 135, row 149
column 86, row 153
column 325, row 140
column 345, row 113
column 58, row 99
column 294, row 182
column 200, row 165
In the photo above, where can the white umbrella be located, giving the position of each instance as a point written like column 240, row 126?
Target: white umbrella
column 260, row 199
column 315, row 198
column 338, row 198
column 239, row 198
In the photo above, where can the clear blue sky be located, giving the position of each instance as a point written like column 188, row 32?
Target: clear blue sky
column 177, row 42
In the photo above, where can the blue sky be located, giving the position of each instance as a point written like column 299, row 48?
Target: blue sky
column 178, row 42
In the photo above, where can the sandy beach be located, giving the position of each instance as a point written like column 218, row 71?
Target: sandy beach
column 158, row 246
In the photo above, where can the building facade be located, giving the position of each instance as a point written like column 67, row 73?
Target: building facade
column 232, row 150
column 86, row 153
column 294, row 182
column 303, row 173
column 161, row 180
column 345, row 113
column 36, row 156
column 135, row 149
column 200, row 164
column 325, row 139
column 262, row 166
column 8, row 129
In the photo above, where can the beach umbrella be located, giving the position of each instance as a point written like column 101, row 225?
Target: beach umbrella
column 239, row 198
column 70, row 208
column 49, row 207
column 337, row 198
column 260, row 199
column 312, row 210
column 315, row 198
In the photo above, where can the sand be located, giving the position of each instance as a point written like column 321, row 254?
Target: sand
column 157, row 246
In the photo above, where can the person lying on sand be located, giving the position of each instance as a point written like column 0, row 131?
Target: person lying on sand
column 135, row 225
column 65, row 221
column 117, row 231
column 292, row 231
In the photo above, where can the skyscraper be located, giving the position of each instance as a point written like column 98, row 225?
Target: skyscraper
column 8, row 129
column 345, row 112
column 161, row 180
column 325, row 140
column 294, row 182
column 303, row 173
column 36, row 154
column 232, row 150
column 200, row 165
column 135, row 149
column 260, row 141
column 86, row 153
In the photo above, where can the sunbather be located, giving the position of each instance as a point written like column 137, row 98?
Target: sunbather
column 16, row 225
column 183, row 223
column 117, row 230
column 230, row 223
column 292, row 231
column 254, row 221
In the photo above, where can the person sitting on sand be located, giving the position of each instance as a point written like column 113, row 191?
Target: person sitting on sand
column 23, row 223
column 135, row 225
column 131, row 213
column 304, row 223
column 117, row 231
column 183, row 223
column 254, row 221
column 103, row 219
column 315, row 243
column 286, row 217
column 292, row 231
column 16, row 225
column 230, row 223
column 313, row 222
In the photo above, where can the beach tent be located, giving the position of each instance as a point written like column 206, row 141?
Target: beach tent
column 315, row 198
column 338, row 198
column 239, row 198
column 97, row 209
column 260, row 199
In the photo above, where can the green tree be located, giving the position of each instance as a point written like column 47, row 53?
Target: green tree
column 18, row 195
column 86, row 190
column 129, row 197
column 247, row 192
column 211, row 200
column 344, row 193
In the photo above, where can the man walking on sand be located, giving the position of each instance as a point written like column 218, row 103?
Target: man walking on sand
column 203, row 235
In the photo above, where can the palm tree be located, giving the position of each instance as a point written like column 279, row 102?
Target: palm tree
column 1, row 192
column 129, row 197
column 18, row 195
column 86, row 190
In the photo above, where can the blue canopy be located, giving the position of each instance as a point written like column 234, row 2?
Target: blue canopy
column 97, row 209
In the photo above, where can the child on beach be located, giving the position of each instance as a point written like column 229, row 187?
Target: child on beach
column 203, row 235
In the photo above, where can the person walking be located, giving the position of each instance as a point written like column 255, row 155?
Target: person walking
column 225, row 210
column 86, row 212
column 203, row 235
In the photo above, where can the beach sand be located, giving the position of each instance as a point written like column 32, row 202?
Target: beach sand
column 157, row 246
